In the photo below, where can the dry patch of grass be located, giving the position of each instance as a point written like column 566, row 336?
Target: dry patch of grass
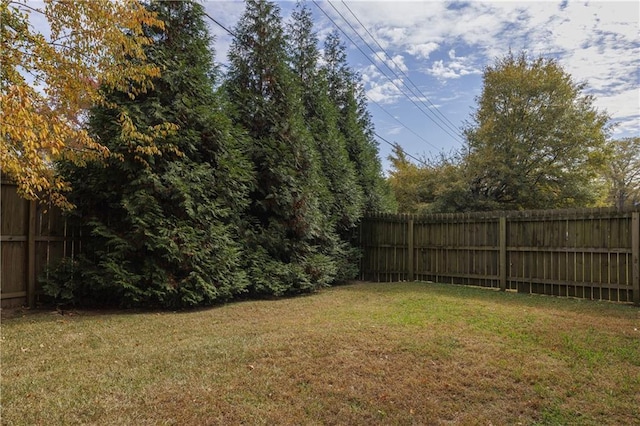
column 407, row 353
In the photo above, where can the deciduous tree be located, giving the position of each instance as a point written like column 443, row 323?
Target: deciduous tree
column 622, row 172
column 435, row 185
column 411, row 183
column 55, row 60
column 536, row 140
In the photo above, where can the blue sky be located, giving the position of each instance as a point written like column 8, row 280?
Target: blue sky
column 442, row 48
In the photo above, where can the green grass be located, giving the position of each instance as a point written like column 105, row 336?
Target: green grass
column 360, row 354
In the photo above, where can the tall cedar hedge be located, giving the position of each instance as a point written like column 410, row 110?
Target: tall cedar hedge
column 252, row 187
column 162, row 224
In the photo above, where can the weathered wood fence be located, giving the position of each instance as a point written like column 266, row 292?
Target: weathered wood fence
column 32, row 236
column 588, row 253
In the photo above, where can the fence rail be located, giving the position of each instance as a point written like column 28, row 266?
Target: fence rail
column 32, row 236
column 587, row 253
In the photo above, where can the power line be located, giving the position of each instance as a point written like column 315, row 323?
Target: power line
column 379, row 69
column 220, row 25
column 420, row 94
column 402, row 124
column 447, row 122
column 396, row 145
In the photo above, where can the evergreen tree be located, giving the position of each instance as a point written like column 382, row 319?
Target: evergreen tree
column 290, row 244
column 354, row 121
column 342, row 202
column 163, row 221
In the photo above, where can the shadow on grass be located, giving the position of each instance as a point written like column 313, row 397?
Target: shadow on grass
column 484, row 295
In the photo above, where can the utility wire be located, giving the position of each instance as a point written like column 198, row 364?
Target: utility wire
column 448, row 122
column 418, row 95
column 456, row 138
column 401, row 123
column 396, row 145
column 221, row 26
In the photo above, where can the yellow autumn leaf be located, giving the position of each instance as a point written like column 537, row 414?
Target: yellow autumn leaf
column 48, row 82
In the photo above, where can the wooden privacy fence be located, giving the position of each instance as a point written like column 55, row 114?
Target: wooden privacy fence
column 32, row 236
column 588, row 253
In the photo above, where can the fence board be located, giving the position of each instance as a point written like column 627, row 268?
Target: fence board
column 586, row 253
column 32, row 236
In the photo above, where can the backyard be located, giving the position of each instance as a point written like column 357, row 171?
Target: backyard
column 364, row 353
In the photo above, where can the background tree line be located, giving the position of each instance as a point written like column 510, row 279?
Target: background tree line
column 535, row 141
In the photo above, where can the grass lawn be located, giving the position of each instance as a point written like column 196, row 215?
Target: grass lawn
column 405, row 353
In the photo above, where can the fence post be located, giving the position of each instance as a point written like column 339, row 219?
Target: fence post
column 635, row 256
column 410, row 248
column 31, row 256
column 502, row 260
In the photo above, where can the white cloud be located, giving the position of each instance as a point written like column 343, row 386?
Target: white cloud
column 626, row 127
column 394, row 130
column 393, row 36
column 398, row 62
column 456, row 67
column 599, row 44
column 596, row 42
column 226, row 13
column 395, row 63
column 624, row 107
column 439, row 70
column 422, row 51
column 385, row 92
